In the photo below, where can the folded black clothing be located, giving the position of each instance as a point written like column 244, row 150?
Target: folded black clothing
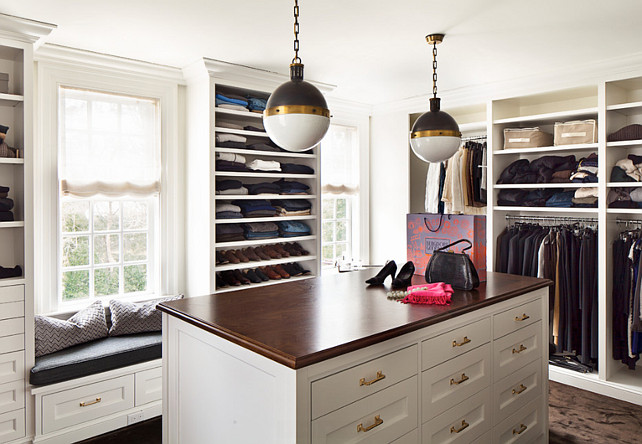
column 6, row 204
column 253, row 205
column 511, row 197
column 291, row 185
column 263, row 188
column 518, row 167
column 4, row 189
column 635, row 159
column 228, row 215
column 260, row 227
column 619, row 175
column 264, row 147
column 537, row 198
column 231, row 144
column 588, row 178
column 554, row 163
column 225, row 165
column 10, row 272
column 6, row 216
column 230, row 237
column 295, row 168
column 228, row 229
column 292, row 204
column 228, row 184
column 260, row 213
column 525, row 177
column 254, row 128
column 629, row 132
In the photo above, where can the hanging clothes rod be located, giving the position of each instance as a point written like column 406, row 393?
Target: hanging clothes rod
column 471, row 138
column 551, row 218
column 628, row 222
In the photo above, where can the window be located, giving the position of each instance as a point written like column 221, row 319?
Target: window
column 109, row 182
column 340, row 194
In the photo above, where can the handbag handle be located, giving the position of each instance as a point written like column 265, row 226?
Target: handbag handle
column 470, row 245
column 441, row 221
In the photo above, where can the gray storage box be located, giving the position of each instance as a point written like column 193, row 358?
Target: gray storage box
column 4, row 83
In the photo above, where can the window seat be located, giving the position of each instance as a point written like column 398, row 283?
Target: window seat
column 96, row 357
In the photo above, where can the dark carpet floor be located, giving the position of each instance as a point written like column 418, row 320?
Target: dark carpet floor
column 575, row 416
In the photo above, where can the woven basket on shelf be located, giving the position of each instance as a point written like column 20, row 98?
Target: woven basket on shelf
column 6, row 151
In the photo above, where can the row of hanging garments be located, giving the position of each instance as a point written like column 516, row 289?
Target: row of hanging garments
column 627, row 284
column 458, row 185
column 567, row 255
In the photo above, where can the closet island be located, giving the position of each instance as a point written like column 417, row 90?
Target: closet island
column 331, row 360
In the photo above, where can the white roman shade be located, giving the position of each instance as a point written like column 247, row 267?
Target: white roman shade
column 340, row 161
column 109, row 145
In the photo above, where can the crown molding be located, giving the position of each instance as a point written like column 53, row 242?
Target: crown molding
column 76, row 58
column 348, row 106
column 22, row 29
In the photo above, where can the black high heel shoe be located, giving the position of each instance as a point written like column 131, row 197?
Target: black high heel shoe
column 404, row 277
column 389, row 269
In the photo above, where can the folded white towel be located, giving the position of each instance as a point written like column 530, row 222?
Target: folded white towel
column 222, row 206
column 231, row 157
column 241, row 190
column 230, row 125
column 232, row 106
column 220, row 137
column 586, row 192
column 264, row 165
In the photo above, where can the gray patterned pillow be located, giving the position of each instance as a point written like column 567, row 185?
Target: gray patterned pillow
column 129, row 317
column 55, row 334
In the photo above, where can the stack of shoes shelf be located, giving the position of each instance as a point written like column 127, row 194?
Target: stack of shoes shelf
column 239, row 134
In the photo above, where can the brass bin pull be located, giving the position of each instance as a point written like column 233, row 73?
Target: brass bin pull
column 521, row 430
column 464, row 378
column 377, row 422
column 521, row 388
column 464, row 424
column 379, row 377
column 85, row 404
column 464, row 342
column 523, row 317
column 521, row 349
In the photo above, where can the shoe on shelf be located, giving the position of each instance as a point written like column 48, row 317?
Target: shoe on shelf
column 221, row 259
column 251, row 275
column 251, row 255
column 230, row 279
column 261, row 275
column 388, row 270
column 404, row 278
column 300, row 249
column 291, row 269
column 290, row 249
column 261, row 253
column 279, row 249
column 270, row 273
column 279, row 269
column 300, row 269
column 238, row 253
column 220, row 282
column 231, row 258
column 242, row 279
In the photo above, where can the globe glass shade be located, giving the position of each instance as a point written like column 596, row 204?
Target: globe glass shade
column 435, row 148
column 296, row 132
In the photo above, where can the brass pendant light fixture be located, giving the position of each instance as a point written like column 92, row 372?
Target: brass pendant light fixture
column 296, row 116
column 435, row 136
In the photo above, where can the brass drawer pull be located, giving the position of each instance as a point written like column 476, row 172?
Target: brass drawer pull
column 521, row 430
column 464, row 342
column 379, row 377
column 464, row 424
column 521, row 349
column 85, row 404
column 523, row 317
column 521, row 388
column 464, row 378
column 377, row 422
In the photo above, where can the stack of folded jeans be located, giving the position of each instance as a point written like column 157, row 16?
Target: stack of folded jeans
column 295, row 168
column 561, row 199
column 255, row 208
column 291, row 187
column 230, row 187
column 294, row 207
column 229, row 233
column 586, row 171
column 264, row 165
column 6, row 205
column 293, row 228
column 231, row 101
column 228, row 211
column 256, row 104
column 263, row 188
column 225, row 140
column 261, row 230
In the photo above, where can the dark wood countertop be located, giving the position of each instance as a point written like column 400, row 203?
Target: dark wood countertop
column 308, row 321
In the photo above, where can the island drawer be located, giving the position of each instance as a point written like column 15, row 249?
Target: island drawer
column 515, row 318
column 81, row 404
column 12, row 366
column 12, row 293
column 461, row 424
column 12, row 396
column 517, row 389
column 525, row 425
column 12, row 425
column 13, row 326
column 381, row 417
column 344, row 387
column 514, row 351
column 454, row 381
column 451, row 344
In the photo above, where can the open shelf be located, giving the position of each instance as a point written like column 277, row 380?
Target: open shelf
column 234, row 112
column 624, row 184
column 624, row 143
column 14, row 224
column 11, row 161
column 254, row 264
column 250, row 243
column 627, row 109
column 263, row 284
column 577, row 114
column 275, row 175
column 545, row 185
column 248, row 220
column 547, row 149
column 220, row 129
column 264, row 153
column 549, row 209
column 472, row 126
column 12, row 281
column 11, row 99
column 624, row 210
column 263, row 196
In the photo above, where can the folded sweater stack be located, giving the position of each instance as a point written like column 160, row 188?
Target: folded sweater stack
column 292, row 207
column 586, row 170
column 6, row 205
column 232, row 187
column 260, row 230
column 293, row 228
column 255, row 208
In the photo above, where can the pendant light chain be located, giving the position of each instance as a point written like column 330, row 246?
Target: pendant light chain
column 434, row 69
column 296, row 58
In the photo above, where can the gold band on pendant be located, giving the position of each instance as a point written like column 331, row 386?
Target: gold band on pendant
column 432, row 133
column 297, row 109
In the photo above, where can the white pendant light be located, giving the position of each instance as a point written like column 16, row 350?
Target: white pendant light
column 435, row 136
column 296, row 116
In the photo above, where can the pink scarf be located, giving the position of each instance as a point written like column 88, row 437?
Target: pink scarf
column 437, row 293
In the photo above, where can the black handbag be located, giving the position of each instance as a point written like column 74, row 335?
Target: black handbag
column 455, row 269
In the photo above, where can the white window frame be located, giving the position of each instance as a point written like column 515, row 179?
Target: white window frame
column 82, row 70
column 349, row 221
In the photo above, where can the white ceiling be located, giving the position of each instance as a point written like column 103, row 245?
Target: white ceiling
column 373, row 50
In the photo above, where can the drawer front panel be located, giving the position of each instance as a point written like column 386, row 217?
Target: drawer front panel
column 12, row 310
column 515, row 318
column 523, row 426
column 517, row 389
column 149, row 385
column 461, row 424
column 408, row 438
column 381, row 417
column 454, row 381
column 13, row 293
column 449, row 345
column 516, row 350
column 75, row 406
column 10, row 327
column 12, row 425
column 12, row 396
column 339, row 389
column 12, row 343
column 485, row 438
column 12, row 366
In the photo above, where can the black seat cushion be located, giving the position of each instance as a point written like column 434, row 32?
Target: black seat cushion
column 96, row 357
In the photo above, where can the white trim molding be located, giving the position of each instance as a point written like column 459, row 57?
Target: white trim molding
column 22, row 29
